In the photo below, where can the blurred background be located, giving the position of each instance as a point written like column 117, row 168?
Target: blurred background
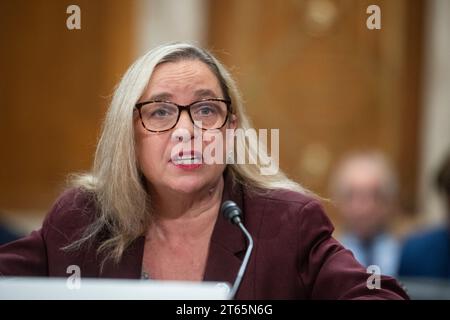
column 311, row 68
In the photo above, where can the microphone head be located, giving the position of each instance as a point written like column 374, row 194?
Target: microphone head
column 231, row 211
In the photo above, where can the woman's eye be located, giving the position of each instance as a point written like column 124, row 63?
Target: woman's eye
column 159, row 113
column 206, row 110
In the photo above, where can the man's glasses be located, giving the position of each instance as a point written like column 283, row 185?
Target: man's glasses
column 207, row 114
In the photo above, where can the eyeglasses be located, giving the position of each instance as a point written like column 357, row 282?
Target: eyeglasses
column 207, row 114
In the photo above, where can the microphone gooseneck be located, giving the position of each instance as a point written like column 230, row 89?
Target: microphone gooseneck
column 232, row 213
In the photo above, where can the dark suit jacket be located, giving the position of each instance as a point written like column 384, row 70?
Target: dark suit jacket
column 427, row 254
column 294, row 257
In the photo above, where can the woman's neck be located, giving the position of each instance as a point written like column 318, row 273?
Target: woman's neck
column 186, row 216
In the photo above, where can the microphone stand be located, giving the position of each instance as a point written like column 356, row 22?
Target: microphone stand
column 243, row 267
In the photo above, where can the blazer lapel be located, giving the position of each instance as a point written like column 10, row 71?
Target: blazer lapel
column 227, row 245
column 129, row 266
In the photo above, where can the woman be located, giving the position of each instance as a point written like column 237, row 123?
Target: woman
column 146, row 209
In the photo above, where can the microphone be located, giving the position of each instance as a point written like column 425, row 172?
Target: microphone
column 232, row 213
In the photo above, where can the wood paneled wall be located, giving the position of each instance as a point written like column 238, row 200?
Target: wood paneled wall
column 55, row 85
column 314, row 70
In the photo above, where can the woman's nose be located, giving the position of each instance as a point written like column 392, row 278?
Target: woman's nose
column 184, row 130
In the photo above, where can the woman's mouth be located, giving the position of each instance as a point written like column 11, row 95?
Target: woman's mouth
column 187, row 160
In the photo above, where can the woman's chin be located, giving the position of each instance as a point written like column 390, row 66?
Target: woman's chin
column 187, row 185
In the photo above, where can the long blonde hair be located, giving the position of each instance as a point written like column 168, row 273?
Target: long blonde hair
column 115, row 179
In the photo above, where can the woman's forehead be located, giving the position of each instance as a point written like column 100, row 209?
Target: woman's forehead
column 185, row 76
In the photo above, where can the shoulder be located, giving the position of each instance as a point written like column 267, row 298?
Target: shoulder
column 293, row 209
column 73, row 210
column 284, row 196
column 293, row 202
column 73, row 200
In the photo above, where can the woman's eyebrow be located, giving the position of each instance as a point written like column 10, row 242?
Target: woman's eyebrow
column 205, row 93
column 163, row 96
column 198, row 94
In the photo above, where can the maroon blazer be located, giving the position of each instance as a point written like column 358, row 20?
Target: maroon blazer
column 294, row 254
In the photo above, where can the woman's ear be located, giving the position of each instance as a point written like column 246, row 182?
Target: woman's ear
column 232, row 122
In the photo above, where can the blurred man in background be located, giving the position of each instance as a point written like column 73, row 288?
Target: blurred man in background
column 427, row 254
column 364, row 188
